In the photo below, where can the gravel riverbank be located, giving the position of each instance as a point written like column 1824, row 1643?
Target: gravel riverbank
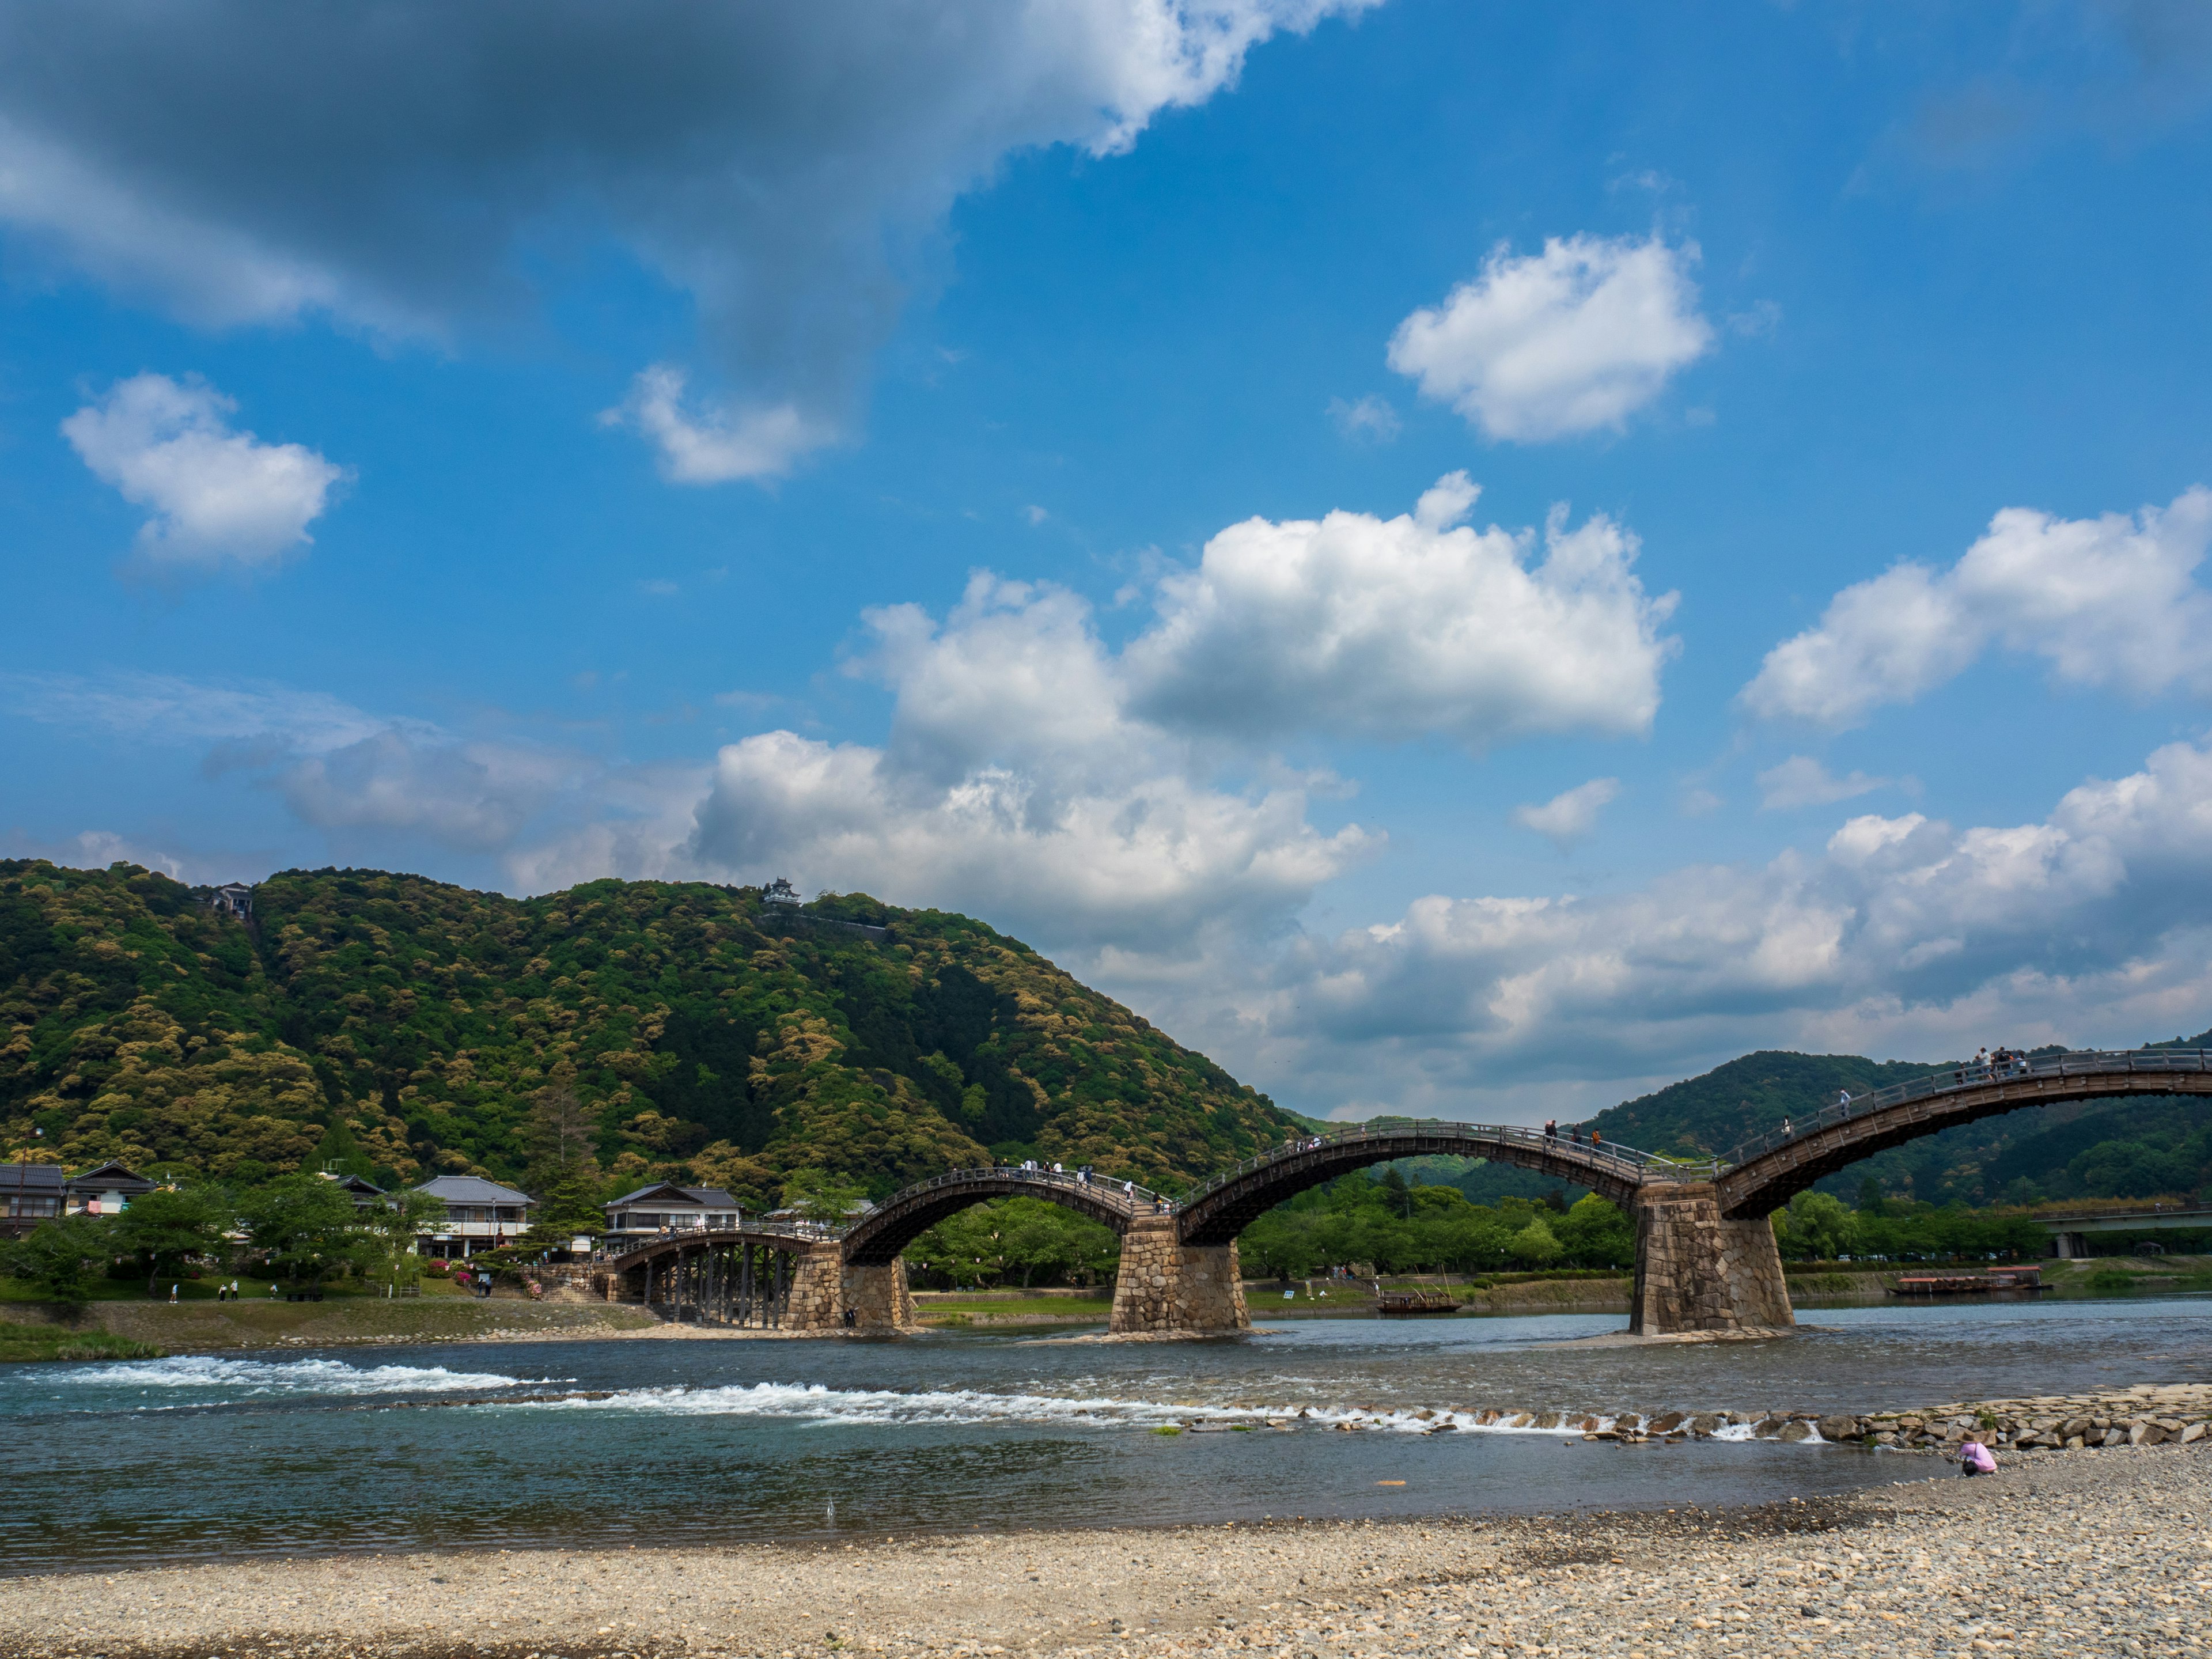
column 2102, row 1553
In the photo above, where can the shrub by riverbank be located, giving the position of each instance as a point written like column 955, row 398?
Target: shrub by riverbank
column 21, row 1342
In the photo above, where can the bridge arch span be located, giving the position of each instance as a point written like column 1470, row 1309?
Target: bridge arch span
column 1232, row 1200
column 662, row 1246
column 1769, row 1171
column 876, row 1238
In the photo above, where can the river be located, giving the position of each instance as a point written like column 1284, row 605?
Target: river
column 644, row 1441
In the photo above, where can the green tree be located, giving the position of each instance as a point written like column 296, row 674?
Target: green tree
column 1870, row 1199
column 304, row 1225
column 1041, row 1240
column 819, row 1196
column 1535, row 1245
column 383, row 1245
column 168, row 1226
column 567, row 1206
column 1815, row 1227
column 1397, row 1197
column 61, row 1256
column 1281, row 1243
column 561, row 1136
column 1596, row 1234
column 965, row 1246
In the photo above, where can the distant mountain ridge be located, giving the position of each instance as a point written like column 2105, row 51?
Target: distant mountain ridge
column 2135, row 1149
column 404, row 1026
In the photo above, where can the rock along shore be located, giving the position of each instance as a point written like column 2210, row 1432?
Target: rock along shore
column 2109, row 1553
column 2149, row 1414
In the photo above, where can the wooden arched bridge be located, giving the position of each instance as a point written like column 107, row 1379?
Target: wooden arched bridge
column 1705, row 1258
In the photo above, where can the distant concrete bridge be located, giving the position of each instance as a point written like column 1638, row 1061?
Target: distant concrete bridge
column 2070, row 1231
column 1706, row 1256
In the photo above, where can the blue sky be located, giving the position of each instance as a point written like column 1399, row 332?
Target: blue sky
column 1025, row 459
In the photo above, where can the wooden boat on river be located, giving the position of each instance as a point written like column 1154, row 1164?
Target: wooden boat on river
column 1409, row 1304
column 1997, row 1278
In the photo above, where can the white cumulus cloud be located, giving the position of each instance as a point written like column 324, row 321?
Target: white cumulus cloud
column 1144, row 864
column 2113, row 602
column 1408, row 625
column 217, row 497
column 1569, row 816
column 1017, row 783
column 1905, row 935
column 1574, row 340
column 1033, row 774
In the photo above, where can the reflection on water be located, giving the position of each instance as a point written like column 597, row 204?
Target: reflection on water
column 637, row 1441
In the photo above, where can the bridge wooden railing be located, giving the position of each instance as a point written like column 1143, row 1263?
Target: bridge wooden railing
column 798, row 1232
column 1626, row 1163
column 1139, row 1199
column 2083, row 1063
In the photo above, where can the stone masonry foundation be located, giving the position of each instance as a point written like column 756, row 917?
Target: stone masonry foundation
column 1166, row 1285
column 818, row 1287
column 1697, row 1272
column 876, row 1298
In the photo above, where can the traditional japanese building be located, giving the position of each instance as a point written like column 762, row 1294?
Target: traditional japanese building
column 106, row 1190
column 480, row 1215
column 30, row 1194
column 665, row 1207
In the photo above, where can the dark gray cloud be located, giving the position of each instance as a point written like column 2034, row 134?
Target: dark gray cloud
column 242, row 159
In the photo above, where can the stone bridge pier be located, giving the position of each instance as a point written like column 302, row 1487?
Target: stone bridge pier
column 1697, row 1271
column 1165, row 1284
column 829, row 1293
column 874, row 1297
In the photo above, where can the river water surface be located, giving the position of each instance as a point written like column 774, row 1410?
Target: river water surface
column 642, row 1441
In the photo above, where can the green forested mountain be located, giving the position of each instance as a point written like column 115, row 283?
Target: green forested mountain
column 405, row 1027
column 1706, row 1116
column 2143, row 1148
column 400, row 1026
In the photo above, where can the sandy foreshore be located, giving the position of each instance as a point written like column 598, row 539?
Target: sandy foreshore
column 2097, row 1553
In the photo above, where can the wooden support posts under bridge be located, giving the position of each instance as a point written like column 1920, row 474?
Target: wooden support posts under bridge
column 747, row 1282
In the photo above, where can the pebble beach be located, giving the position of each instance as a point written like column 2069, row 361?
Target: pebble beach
column 2092, row 1552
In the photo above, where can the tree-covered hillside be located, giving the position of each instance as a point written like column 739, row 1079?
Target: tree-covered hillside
column 2143, row 1148
column 405, row 1027
column 1706, row 1116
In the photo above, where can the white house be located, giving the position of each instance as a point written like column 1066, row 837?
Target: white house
column 665, row 1207
column 106, row 1190
column 480, row 1215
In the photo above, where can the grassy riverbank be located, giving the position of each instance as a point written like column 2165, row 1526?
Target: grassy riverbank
column 29, row 1330
column 2057, row 1554
column 1846, row 1282
column 954, row 1310
column 20, row 1342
